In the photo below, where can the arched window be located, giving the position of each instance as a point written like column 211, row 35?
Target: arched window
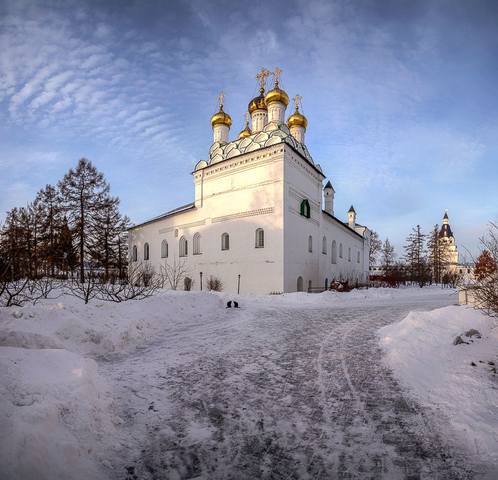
column 164, row 249
column 340, row 250
column 183, row 247
column 134, row 255
column 349, row 254
column 310, row 286
column 299, row 284
column 225, row 242
column 146, row 251
column 324, row 245
column 310, row 244
column 326, row 284
column 358, row 257
column 260, row 238
column 196, row 242
column 334, row 251
column 305, row 208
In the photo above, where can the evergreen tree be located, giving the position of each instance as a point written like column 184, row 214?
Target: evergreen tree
column 51, row 225
column 437, row 255
column 387, row 255
column 415, row 256
column 106, row 227
column 84, row 192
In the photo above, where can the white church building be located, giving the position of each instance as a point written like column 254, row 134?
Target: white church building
column 261, row 220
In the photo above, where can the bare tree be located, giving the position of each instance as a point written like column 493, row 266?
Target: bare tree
column 485, row 288
column 375, row 247
column 172, row 274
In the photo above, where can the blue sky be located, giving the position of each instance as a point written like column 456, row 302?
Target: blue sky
column 401, row 99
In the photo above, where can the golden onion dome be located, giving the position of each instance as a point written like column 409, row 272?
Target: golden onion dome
column 258, row 103
column 277, row 95
column 297, row 119
column 246, row 132
column 221, row 118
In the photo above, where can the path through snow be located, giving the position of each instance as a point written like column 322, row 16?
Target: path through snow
column 281, row 391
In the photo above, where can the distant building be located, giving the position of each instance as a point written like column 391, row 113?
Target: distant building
column 446, row 236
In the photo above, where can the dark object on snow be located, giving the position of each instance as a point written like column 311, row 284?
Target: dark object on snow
column 473, row 364
column 459, row 340
column 473, row 333
column 229, row 304
column 235, row 304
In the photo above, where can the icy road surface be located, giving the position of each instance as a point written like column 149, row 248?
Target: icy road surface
column 278, row 390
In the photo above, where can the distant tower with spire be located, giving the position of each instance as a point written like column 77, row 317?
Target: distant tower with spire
column 446, row 236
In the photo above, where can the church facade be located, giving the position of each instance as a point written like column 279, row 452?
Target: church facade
column 261, row 220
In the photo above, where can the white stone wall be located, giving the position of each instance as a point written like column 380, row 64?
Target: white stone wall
column 303, row 182
column 260, row 189
column 235, row 197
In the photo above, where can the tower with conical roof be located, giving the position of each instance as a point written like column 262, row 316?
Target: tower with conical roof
column 448, row 240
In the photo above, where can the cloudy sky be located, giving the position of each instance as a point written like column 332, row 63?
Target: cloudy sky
column 401, row 98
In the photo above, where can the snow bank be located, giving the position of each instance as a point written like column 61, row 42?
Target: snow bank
column 420, row 351
column 56, row 419
column 100, row 327
column 54, row 413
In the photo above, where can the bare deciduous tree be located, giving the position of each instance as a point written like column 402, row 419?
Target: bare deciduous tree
column 485, row 288
column 172, row 274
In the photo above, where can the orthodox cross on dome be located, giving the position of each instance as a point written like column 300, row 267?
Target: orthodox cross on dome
column 297, row 100
column 247, row 118
column 221, row 99
column 261, row 78
column 276, row 75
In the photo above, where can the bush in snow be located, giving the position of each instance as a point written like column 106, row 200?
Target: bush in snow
column 214, row 284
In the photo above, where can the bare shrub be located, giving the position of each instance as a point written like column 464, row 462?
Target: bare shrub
column 85, row 290
column 187, row 284
column 215, row 284
column 15, row 293
column 173, row 273
column 133, row 288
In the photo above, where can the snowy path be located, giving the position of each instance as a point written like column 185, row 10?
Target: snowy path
column 280, row 392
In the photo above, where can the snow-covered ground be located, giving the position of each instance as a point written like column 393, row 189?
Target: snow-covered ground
column 178, row 386
column 460, row 381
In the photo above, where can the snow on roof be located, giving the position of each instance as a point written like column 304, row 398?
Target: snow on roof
column 181, row 209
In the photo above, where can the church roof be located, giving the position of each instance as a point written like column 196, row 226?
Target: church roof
column 345, row 225
column 351, row 209
column 272, row 134
column 329, row 185
column 181, row 209
column 445, row 215
column 445, row 231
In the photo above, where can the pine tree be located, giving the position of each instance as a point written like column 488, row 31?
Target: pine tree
column 437, row 255
column 415, row 256
column 106, row 227
column 51, row 225
column 84, row 192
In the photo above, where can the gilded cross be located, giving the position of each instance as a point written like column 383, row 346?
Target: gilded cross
column 276, row 75
column 261, row 78
column 221, row 99
column 247, row 118
column 297, row 100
